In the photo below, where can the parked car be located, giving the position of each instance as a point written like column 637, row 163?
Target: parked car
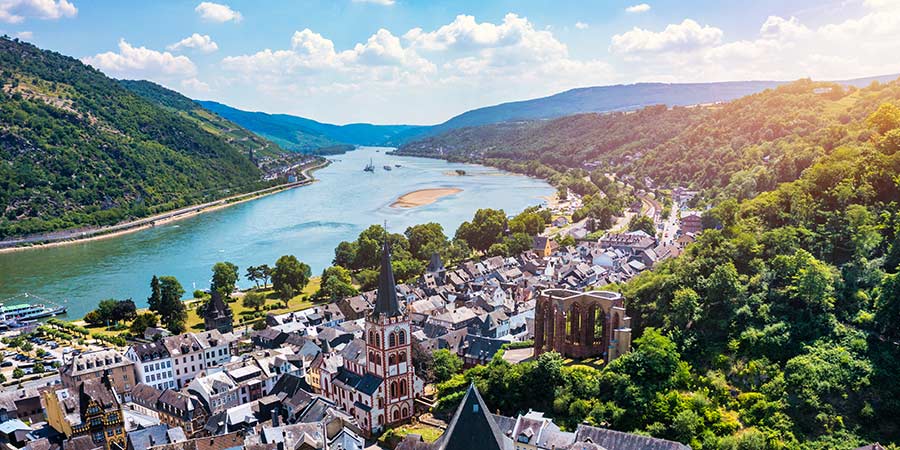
column 6, row 364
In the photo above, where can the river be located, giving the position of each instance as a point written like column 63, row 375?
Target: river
column 307, row 222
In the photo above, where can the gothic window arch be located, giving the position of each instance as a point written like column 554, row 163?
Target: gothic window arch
column 371, row 337
column 393, row 389
column 392, row 340
column 392, row 359
column 396, row 414
column 402, row 338
column 405, row 412
column 403, row 389
column 402, row 358
column 372, row 357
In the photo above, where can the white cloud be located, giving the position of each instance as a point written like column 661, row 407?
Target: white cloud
column 27, row 35
column 637, row 9
column 195, row 86
column 217, row 12
column 783, row 49
column 780, row 28
column 16, row 11
column 141, row 62
column 377, row 2
column 460, row 65
column 581, row 25
column 196, row 41
column 688, row 35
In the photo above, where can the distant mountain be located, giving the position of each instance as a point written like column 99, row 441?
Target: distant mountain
column 618, row 97
column 79, row 149
column 307, row 135
column 742, row 146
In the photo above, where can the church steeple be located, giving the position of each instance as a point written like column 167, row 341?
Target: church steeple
column 386, row 303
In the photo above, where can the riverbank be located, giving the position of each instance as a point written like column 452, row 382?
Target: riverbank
column 423, row 197
column 55, row 239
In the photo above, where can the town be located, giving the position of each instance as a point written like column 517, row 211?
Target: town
column 341, row 374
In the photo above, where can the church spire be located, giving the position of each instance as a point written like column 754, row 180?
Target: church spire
column 386, row 301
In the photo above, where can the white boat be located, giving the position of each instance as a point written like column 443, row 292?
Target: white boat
column 19, row 312
column 25, row 311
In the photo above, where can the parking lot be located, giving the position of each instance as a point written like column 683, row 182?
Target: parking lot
column 30, row 352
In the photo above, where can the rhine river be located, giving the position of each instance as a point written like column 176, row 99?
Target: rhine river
column 307, row 222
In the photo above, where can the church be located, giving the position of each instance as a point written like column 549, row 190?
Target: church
column 373, row 378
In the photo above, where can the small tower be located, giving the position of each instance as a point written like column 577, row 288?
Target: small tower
column 217, row 314
column 389, row 349
column 435, row 265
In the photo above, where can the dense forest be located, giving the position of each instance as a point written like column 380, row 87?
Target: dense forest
column 81, row 150
column 780, row 326
column 254, row 146
column 734, row 149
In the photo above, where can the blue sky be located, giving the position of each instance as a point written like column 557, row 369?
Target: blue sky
column 417, row 61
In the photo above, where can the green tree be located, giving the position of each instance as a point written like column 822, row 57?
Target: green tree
column 345, row 254
column 254, row 275
column 446, row 364
column 887, row 307
column 640, row 222
column 528, row 222
column 424, row 237
column 141, row 323
column 265, row 272
column 155, row 298
column 336, row 284
column 485, row 229
column 498, row 249
column 169, row 306
column 124, row 310
column 38, row 367
column 254, row 300
column 224, row 278
column 885, row 118
column 517, row 244
column 290, row 276
column 18, row 373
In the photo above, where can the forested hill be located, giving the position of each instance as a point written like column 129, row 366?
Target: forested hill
column 81, row 150
column 307, row 135
column 741, row 147
column 252, row 144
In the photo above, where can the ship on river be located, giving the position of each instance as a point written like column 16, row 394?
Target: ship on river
column 12, row 314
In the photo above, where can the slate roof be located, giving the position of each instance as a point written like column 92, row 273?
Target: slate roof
column 151, row 351
column 145, row 395
column 366, row 384
column 153, row 436
column 473, row 427
column 386, row 301
column 618, row 440
column 289, row 384
column 96, row 389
